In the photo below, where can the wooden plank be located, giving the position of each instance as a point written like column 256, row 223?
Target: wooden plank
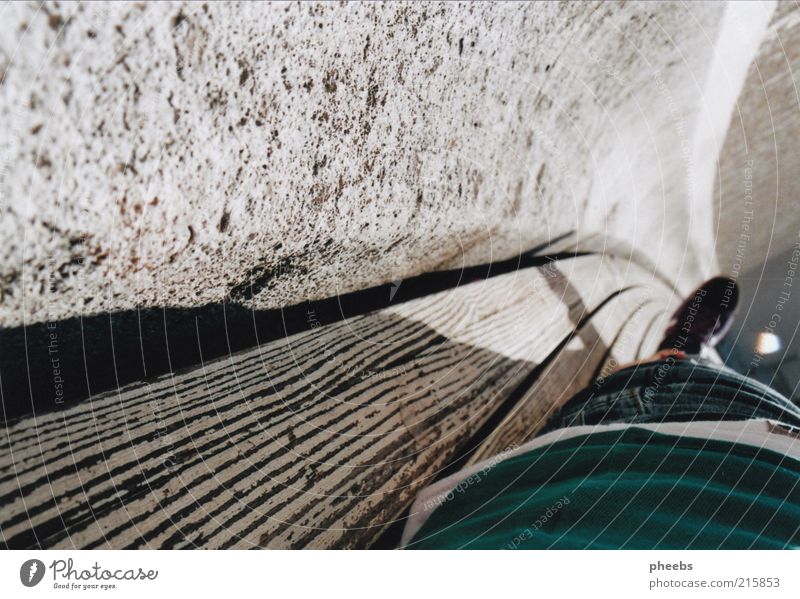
column 316, row 440
column 627, row 346
column 606, row 340
column 654, row 330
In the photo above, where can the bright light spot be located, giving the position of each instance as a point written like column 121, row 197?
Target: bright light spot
column 767, row 343
column 575, row 344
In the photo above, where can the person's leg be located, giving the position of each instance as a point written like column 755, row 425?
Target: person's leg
column 704, row 318
column 676, row 384
column 674, row 390
column 659, row 356
column 698, row 324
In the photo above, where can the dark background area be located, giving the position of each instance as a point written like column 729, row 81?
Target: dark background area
column 764, row 294
column 107, row 351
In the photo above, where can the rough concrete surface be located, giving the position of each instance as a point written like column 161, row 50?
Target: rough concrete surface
column 176, row 155
column 756, row 195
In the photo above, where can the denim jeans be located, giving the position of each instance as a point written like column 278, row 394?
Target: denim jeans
column 674, row 390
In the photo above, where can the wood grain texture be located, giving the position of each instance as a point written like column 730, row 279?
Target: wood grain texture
column 660, row 317
column 317, row 440
column 607, row 340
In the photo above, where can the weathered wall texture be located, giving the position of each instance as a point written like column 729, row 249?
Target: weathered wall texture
column 174, row 154
column 756, row 195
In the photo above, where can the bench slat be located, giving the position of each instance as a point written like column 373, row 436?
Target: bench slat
column 317, row 440
column 600, row 343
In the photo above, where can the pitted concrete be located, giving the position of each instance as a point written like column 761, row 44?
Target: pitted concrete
column 177, row 155
column 756, row 194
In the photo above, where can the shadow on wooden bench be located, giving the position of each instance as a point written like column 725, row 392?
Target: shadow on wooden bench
column 323, row 439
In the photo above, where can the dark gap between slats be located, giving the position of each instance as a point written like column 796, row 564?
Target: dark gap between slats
column 103, row 352
column 389, row 538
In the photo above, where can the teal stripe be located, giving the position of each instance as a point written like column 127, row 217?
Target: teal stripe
column 631, row 489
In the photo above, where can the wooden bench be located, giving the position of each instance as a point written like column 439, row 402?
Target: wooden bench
column 323, row 439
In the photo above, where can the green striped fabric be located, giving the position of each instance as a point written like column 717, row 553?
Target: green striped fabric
column 630, row 489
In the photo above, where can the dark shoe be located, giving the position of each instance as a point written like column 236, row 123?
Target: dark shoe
column 704, row 318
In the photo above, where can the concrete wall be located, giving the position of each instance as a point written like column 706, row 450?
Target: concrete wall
column 756, row 193
column 757, row 215
column 178, row 155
